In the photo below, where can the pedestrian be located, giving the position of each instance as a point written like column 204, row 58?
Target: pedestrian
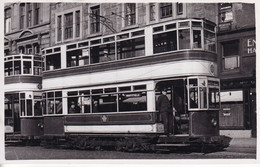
column 166, row 113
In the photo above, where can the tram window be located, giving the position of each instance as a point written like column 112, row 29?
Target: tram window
column 50, row 107
column 53, row 61
column 27, row 67
column 213, row 98
column 73, row 105
column 102, row 53
column 22, row 107
column 132, row 101
column 184, row 24
column 196, row 24
column 131, row 48
column 74, row 93
column 50, row 94
column 184, row 39
column 58, row 94
column 37, row 108
column 125, row 88
column 8, row 68
column 97, row 91
column 58, row 106
column 209, row 41
column 84, row 104
column 203, row 97
column 44, row 106
column 8, row 108
column 104, row 103
column 37, row 68
column 196, row 38
column 84, row 92
column 73, row 58
column 140, row 87
column 29, row 107
column 110, row 90
column 17, row 67
column 194, row 98
column 165, row 42
column 193, row 82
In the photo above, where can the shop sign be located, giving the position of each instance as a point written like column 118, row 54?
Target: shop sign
column 249, row 46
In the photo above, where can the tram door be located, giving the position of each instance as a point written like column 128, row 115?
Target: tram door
column 177, row 95
column 12, row 117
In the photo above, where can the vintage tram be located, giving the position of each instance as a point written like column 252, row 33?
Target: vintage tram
column 102, row 92
column 23, row 111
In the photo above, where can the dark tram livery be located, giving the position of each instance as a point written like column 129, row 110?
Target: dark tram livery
column 103, row 91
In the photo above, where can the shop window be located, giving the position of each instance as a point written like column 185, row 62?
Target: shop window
column 7, row 20
column 184, row 39
column 68, row 26
column 53, row 62
column 132, row 101
column 102, row 53
column 131, row 48
column 230, row 53
column 130, row 14
column 165, row 42
column 165, row 10
column 197, row 39
column 95, row 19
column 152, row 12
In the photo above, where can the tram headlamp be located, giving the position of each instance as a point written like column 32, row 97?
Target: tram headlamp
column 214, row 122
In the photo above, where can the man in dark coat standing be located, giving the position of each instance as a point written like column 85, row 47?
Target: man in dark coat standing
column 166, row 113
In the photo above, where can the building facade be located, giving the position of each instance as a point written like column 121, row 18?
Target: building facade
column 83, row 38
column 237, row 67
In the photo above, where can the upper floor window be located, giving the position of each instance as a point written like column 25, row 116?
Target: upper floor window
column 226, row 13
column 230, row 54
column 95, row 19
column 179, row 7
column 36, row 13
column 29, row 15
column 130, row 14
column 152, row 12
column 7, row 20
column 68, row 26
column 22, row 15
column 165, row 10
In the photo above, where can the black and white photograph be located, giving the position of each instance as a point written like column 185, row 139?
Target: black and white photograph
column 159, row 80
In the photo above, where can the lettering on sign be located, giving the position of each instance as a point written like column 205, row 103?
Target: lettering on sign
column 250, row 46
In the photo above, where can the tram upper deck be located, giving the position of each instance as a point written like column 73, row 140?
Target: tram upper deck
column 174, row 48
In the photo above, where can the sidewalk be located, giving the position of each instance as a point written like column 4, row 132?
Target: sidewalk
column 243, row 142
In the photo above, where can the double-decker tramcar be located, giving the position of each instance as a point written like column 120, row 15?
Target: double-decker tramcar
column 103, row 91
column 23, row 97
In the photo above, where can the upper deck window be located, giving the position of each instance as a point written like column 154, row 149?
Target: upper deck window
column 53, row 61
column 130, row 14
column 131, row 48
column 184, row 39
column 102, row 53
column 165, row 10
column 165, row 42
